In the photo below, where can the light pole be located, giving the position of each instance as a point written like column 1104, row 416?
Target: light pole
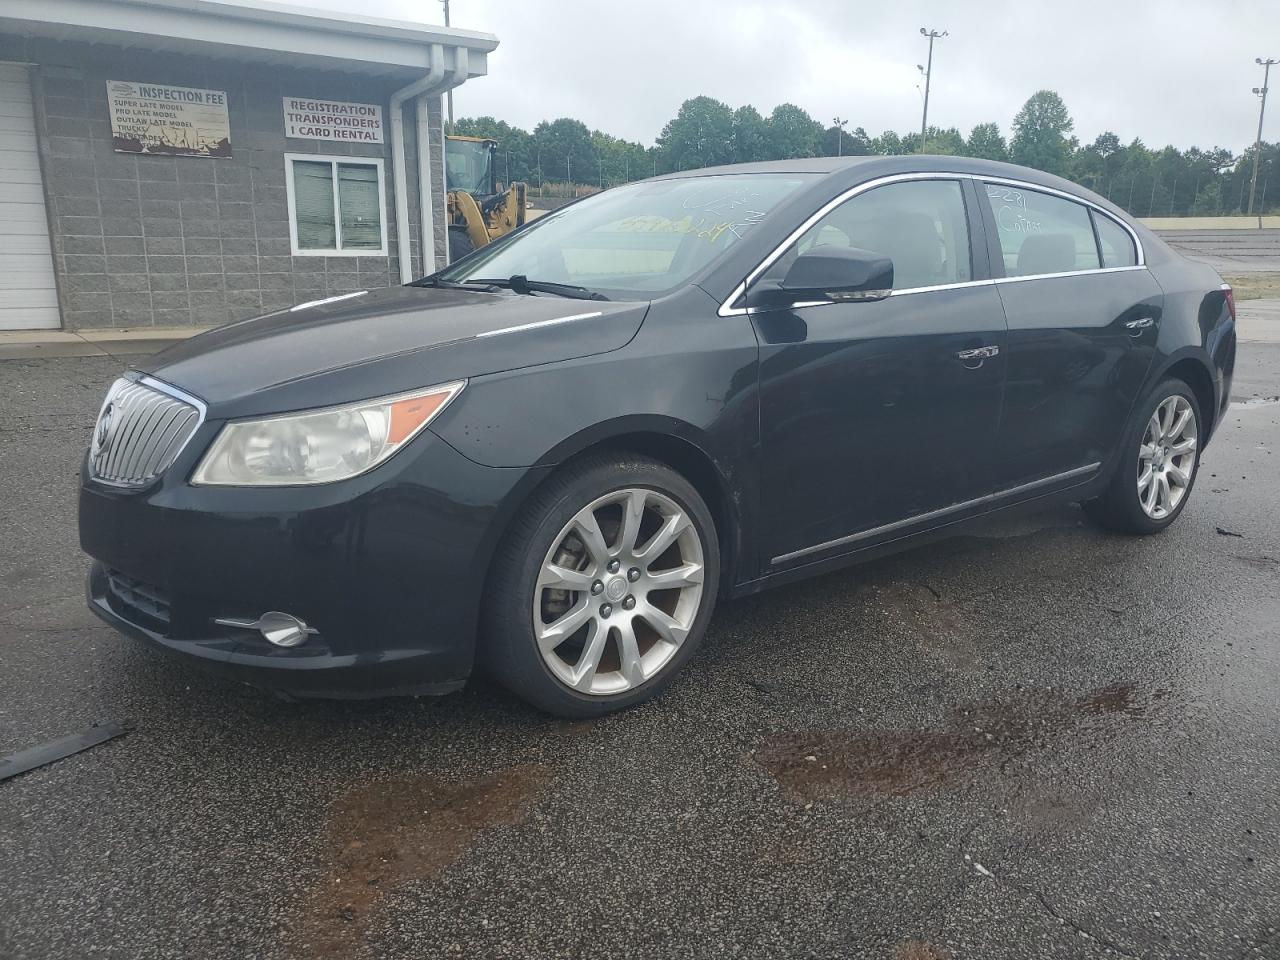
column 1257, row 146
column 928, row 74
column 450, row 93
column 840, row 125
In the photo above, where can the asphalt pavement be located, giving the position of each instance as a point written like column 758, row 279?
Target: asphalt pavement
column 1230, row 252
column 1035, row 740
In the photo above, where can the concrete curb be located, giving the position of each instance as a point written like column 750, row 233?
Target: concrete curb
column 42, row 344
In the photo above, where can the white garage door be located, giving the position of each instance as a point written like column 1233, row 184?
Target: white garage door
column 27, row 296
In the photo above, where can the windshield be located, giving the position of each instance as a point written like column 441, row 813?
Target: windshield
column 634, row 242
column 467, row 165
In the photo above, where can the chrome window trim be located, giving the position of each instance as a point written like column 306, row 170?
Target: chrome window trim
column 990, row 282
column 1089, row 468
column 726, row 309
column 1067, row 273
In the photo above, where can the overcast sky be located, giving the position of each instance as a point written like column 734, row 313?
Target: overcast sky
column 1168, row 71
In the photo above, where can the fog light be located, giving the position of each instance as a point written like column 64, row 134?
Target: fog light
column 281, row 629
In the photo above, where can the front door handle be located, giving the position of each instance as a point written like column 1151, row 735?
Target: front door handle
column 978, row 353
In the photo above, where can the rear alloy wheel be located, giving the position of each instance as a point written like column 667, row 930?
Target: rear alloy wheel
column 604, row 587
column 1160, row 454
column 1167, row 457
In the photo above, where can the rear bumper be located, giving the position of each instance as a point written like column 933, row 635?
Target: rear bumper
column 388, row 568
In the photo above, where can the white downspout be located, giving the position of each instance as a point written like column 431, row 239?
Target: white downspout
column 426, row 211
column 461, row 67
column 433, row 84
column 419, row 86
column 448, row 254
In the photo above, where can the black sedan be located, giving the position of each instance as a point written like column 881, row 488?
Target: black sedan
column 551, row 458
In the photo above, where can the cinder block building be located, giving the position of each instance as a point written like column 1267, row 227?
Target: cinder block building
column 175, row 162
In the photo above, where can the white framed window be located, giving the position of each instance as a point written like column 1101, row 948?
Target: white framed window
column 336, row 206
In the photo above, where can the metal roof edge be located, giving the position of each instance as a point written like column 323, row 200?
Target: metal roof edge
column 104, row 13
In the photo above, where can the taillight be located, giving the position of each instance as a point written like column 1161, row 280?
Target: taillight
column 1231, row 300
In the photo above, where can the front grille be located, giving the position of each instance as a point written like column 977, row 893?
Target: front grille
column 139, row 433
column 144, row 598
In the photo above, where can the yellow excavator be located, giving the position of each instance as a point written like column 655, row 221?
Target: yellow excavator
column 477, row 211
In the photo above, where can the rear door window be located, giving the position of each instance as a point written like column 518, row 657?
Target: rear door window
column 1117, row 245
column 1040, row 233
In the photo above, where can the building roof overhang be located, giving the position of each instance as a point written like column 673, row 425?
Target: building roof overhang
column 256, row 30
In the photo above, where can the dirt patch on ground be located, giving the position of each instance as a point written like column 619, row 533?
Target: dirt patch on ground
column 919, row 950
column 1255, row 286
column 384, row 834
column 818, row 763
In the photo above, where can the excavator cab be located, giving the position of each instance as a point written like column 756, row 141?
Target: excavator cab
column 477, row 211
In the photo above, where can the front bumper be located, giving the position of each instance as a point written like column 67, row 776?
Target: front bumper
column 388, row 568
column 312, row 671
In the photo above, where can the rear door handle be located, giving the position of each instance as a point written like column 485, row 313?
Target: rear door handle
column 978, row 353
column 1137, row 326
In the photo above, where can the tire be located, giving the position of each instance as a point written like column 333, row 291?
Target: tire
column 459, row 243
column 546, row 578
column 1124, row 507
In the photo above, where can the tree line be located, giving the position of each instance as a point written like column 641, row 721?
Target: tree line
column 564, row 156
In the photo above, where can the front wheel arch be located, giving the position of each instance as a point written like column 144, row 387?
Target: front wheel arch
column 682, row 447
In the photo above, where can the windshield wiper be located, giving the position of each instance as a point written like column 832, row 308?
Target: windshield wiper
column 439, row 282
column 523, row 285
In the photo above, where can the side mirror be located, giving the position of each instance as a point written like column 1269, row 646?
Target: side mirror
column 827, row 274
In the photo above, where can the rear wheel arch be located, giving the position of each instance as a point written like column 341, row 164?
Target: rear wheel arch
column 1194, row 372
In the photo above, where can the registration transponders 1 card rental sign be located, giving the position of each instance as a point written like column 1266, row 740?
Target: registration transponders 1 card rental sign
column 177, row 121
column 332, row 120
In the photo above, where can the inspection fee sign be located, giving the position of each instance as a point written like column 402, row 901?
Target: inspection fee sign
column 332, row 120
column 178, row 121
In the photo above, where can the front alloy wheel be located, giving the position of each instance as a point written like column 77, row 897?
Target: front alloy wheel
column 618, row 592
column 603, row 587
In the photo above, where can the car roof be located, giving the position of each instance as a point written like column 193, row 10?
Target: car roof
column 852, row 170
column 879, row 165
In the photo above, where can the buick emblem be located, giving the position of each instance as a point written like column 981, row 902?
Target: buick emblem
column 102, row 437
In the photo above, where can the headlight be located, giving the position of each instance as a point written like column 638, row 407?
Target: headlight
column 319, row 446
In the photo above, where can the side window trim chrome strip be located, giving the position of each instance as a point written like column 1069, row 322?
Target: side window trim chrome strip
column 727, row 309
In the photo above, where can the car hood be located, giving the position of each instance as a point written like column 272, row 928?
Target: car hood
column 380, row 342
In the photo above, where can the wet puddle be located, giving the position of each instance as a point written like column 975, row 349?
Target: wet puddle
column 1253, row 402
column 817, row 763
column 385, row 834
